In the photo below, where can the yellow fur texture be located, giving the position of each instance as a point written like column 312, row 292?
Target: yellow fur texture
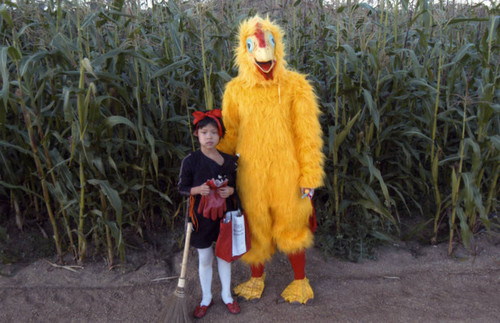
column 273, row 124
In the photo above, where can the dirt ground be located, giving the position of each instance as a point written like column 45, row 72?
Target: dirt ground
column 407, row 283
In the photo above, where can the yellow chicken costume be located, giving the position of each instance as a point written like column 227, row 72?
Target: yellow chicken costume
column 271, row 118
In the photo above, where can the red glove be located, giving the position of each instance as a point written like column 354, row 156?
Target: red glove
column 212, row 206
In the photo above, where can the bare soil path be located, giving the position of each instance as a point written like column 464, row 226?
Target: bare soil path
column 405, row 284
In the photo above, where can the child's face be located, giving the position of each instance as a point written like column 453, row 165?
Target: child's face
column 208, row 136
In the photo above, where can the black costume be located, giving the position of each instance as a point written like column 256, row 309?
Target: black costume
column 196, row 169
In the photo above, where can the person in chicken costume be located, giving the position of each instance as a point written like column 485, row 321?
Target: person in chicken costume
column 271, row 117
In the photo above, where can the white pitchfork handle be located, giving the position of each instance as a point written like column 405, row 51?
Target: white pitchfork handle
column 182, row 278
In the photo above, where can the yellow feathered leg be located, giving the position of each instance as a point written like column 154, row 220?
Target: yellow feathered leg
column 251, row 289
column 299, row 291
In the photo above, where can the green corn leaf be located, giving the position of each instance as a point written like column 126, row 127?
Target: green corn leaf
column 31, row 61
column 495, row 141
column 112, row 195
column 14, row 53
column 351, row 54
column 5, row 75
column 460, row 20
column 382, row 236
column 224, row 75
column 376, row 172
column 416, row 133
column 331, row 140
column 454, row 184
column 154, row 156
column 22, row 150
column 461, row 53
column 116, row 232
column 468, row 185
column 22, row 188
column 434, row 168
column 162, row 195
column 119, row 120
column 6, row 16
column 339, row 138
column 476, row 154
column 466, row 233
column 424, row 84
column 377, row 208
column 372, row 107
column 170, row 68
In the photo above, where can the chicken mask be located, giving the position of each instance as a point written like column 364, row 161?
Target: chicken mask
column 260, row 52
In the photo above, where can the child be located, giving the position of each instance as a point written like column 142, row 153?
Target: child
column 197, row 168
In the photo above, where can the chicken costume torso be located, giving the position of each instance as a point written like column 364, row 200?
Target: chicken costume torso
column 271, row 119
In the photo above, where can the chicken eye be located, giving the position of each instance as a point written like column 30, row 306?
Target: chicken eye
column 271, row 40
column 249, row 45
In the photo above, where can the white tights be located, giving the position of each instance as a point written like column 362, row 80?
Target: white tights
column 206, row 257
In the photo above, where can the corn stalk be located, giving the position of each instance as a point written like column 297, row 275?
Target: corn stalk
column 16, row 57
column 435, row 153
column 457, row 176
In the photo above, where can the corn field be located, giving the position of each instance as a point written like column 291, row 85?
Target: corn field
column 96, row 96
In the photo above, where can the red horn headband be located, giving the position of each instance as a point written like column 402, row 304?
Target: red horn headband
column 214, row 114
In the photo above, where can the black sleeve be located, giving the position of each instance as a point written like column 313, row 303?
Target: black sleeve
column 186, row 176
column 229, row 170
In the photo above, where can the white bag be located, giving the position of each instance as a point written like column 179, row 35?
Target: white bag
column 238, row 225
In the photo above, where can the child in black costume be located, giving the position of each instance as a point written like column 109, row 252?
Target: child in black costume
column 197, row 168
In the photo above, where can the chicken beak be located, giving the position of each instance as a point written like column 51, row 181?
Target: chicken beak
column 264, row 58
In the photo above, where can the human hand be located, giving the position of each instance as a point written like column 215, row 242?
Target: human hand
column 306, row 191
column 226, row 191
column 212, row 205
column 203, row 189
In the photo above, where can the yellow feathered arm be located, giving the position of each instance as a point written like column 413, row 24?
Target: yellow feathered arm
column 307, row 132
column 231, row 123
